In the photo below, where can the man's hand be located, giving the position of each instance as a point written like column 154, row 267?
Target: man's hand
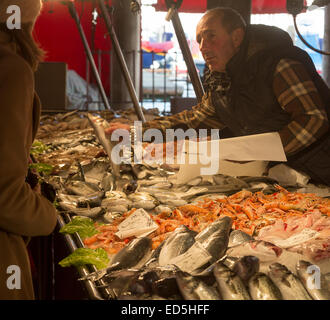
column 116, row 125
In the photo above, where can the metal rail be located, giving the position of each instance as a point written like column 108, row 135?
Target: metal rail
column 88, row 51
column 83, row 271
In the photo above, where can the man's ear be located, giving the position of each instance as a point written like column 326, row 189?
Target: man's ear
column 237, row 36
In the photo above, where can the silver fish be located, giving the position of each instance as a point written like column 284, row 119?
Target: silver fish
column 215, row 237
column 91, row 200
column 307, row 272
column 230, row 285
column 238, row 237
column 127, row 257
column 81, row 188
column 220, row 179
column 261, row 287
column 193, row 288
column 88, row 212
column 288, row 283
column 143, row 200
column 176, row 244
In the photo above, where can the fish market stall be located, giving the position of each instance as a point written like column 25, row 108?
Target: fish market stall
column 143, row 235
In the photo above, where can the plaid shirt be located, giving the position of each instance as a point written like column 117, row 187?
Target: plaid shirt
column 296, row 94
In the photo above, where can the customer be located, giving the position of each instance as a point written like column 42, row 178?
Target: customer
column 259, row 82
column 24, row 212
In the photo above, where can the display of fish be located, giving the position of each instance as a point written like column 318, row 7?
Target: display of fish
column 230, row 285
column 193, row 288
column 261, row 287
column 313, row 280
column 211, row 206
column 289, row 284
column 176, row 244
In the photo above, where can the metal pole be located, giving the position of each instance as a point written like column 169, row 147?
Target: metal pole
column 194, row 77
column 121, row 60
column 89, row 54
column 326, row 46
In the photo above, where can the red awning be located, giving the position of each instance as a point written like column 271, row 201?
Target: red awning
column 199, row 6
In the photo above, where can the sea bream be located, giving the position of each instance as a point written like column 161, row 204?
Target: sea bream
column 289, row 284
column 238, row 237
column 230, row 285
column 176, row 244
column 215, row 237
column 313, row 280
column 127, row 257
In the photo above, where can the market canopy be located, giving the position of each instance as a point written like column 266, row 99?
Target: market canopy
column 199, row 6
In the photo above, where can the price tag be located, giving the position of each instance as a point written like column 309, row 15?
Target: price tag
column 138, row 224
column 301, row 237
column 195, row 257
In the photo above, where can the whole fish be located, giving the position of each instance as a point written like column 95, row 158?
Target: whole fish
column 81, row 188
column 230, row 285
column 88, row 212
column 192, row 288
column 288, row 283
column 307, row 272
column 176, row 244
column 143, row 200
column 91, row 200
column 261, row 287
column 245, row 267
column 238, row 237
column 127, row 257
column 215, row 237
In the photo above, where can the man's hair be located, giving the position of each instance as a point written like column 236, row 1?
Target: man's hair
column 230, row 18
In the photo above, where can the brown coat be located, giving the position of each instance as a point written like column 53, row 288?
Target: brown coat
column 23, row 212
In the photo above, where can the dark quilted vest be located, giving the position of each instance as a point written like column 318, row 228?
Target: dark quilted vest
column 253, row 108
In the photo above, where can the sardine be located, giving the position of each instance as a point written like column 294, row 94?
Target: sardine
column 176, row 244
column 193, row 288
column 230, row 285
column 246, row 267
column 261, row 287
column 238, row 237
column 289, row 284
column 313, row 280
column 215, row 237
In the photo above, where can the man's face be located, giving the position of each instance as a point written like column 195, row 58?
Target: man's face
column 215, row 43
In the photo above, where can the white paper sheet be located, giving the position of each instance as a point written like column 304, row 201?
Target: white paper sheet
column 211, row 157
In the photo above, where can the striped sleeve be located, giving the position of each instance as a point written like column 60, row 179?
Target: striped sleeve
column 297, row 95
column 202, row 115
